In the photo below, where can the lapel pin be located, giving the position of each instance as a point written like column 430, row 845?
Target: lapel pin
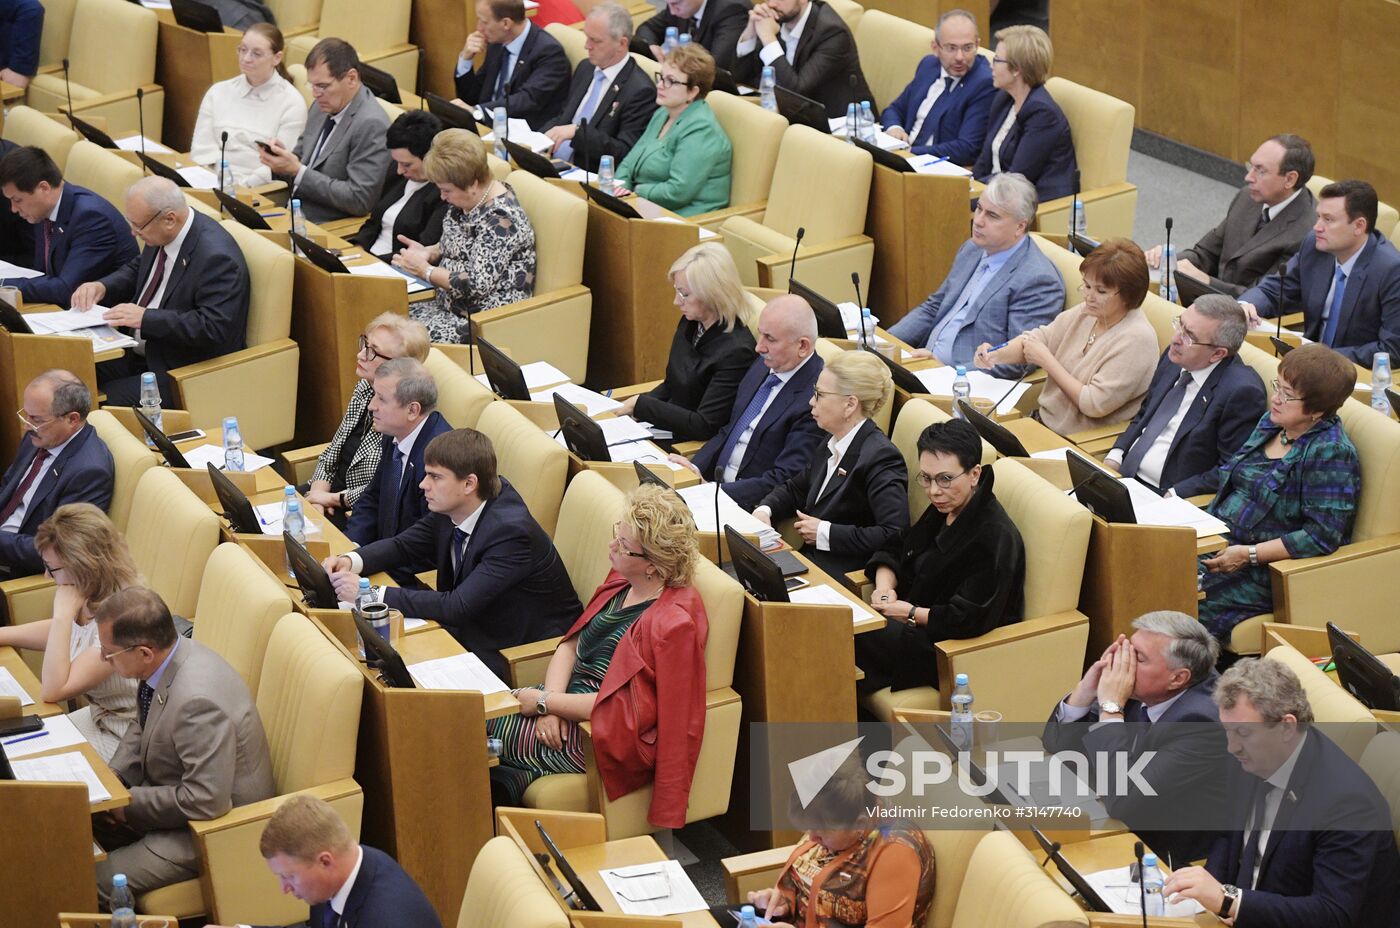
column 1292, row 797
column 160, row 697
column 840, row 471
column 615, row 106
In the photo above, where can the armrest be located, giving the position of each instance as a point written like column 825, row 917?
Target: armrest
column 757, row 870
column 1201, row 501
column 1086, row 196
column 716, row 217
column 687, row 448
column 106, row 99
column 1342, row 582
column 258, row 812
column 1099, row 434
column 537, row 301
column 295, row 456
column 522, row 658
column 304, row 29
column 28, row 599
column 636, row 389
column 1017, row 631
column 772, row 269
column 231, row 361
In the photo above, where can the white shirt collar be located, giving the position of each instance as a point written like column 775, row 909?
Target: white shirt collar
column 699, row 16
column 1201, row 375
column 405, row 444
column 468, row 524
column 612, row 71
column 785, row 376
column 839, row 446
column 342, row 895
column 1155, row 713
column 1275, row 210
column 793, row 31
column 263, row 91
column 1279, row 778
column 53, row 213
column 173, row 249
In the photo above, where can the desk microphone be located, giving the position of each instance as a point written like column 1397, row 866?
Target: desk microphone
column 1278, row 324
column 68, row 90
column 223, row 161
column 470, row 328
column 860, row 308
column 1074, row 207
column 1142, row 881
column 719, row 531
column 1054, row 849
column 1167, row 269
column 581, row 134
column 792, row 265
column 998, row 403
column 141, row 117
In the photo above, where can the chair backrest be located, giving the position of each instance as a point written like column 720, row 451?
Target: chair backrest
column 500, row 169
column 1381, row 761
column 915, row 416
column 850, row 11
column 270, row 272
column 1387, row 217
column 1055, row 531
column 27, row 126
column 1066, row 262
column 591, row 507
column 1004, row 888
column 724, row 609
column 1377, row 440
column 58, row 29
column 649, row 66
column 460, row 398
column 1160, row 313
column 1102, row 128
column 105, row 174
column 130, row 459
column 890, row 50
column 1347, row 722
column 309, row 702
column 112, row 46
column 199, row 206
column 293, row 13
column 560, row 221
column 809, row 161
column 829, row 351
column 299, row 81
column 535, row 464
column 171, row 534
column 755, row 134
column 239, row 605
column 572, row 40
column 370, row 27
column 502, row 889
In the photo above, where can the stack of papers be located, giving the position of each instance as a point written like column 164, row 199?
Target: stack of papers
column 58, row 732
column 463, row 671
column 655, row 889
column 882, row 139
column 538, row 374
column 199, row 177
column 701, row 500
column 621, row 430
column 81, row 324
column 645, row 451
column 519, row 132
column 135, row 142
column 71, row 767
column 384, row 269
column 10, row 271
column 270, row 520
column 204, row 455
column 9, row 686
column 928, row 164
column 1122, row 895
column 823, row 594
column 595, row 404
column 939, row 381
column 1151, row 509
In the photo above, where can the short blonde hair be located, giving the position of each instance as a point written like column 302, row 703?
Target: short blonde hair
column 1028, row 51
column 93, row 552
column 714, row 280
column 665, row 531
column 303, row 827
column 864, row 376
column 458, row 157
column 412, row 336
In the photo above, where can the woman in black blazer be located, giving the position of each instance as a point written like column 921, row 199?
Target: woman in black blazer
column 959, row 572
column 710, row 352
column 1027, row 132
column 411, row 203
column 854, row 499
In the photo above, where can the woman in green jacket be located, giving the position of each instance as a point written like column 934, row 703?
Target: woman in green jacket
column 682, row 160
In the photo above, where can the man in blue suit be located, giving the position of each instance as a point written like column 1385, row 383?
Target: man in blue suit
column 61, row 460
column 525, row 70
column 1345, row 278
column 1311, row 842
column 21, row 24
column 770, row 435
column 1000, row 284
column 943, row 111
column 500, row 581
column 1201, row 406
column 78, row 235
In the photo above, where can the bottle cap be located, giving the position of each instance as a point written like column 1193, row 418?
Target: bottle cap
column 148, row 377
column 746, row 910
column 119, row 881
column 293, row 505
column 960, row 679
column 1149, row 860
column 364, row 583
column 962, row 370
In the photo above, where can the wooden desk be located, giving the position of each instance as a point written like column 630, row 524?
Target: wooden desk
column 187, row 64
column 46, row 852
column 918, row 222
column 1109, row 851
column 9, row 93
column 121, row 796
column 11, row 660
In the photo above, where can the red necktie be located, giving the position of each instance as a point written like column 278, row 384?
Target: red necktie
column 18, row 496
column 157, row 276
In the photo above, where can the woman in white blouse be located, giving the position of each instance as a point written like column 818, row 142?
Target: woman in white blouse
column 257, row 105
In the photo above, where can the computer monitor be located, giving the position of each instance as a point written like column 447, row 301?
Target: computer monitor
column 160, row 169
column 247, row 216
column 1362, row 674
column 504, row 375
column 582, row 435
column 993, row 432
column 1081, row 245
column 166, row 447
column 90, row 132
column 452, row 115
column 380, row 83
column 886, row 159
column 829, row 324
column 242, row 518
column 724, row 80
column 759, row 575
column 801, row 111
column 903, row 378
column 1189, row 289
column 318, row 255
column 1098, row 491
column 645, row 475
column 392, row 669
column 1281, row 347
column 579, row 897
column 12, row 320
column 527, row 160
column 1394, row 398
column 1091, row 896
column 197, row 16
column 6, row 771
column 611, row 203
column 315, row 584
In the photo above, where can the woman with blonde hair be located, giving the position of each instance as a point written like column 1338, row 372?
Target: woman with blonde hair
column 854, row 499
column 710, row 352
column 633, row 665
column 87, row 558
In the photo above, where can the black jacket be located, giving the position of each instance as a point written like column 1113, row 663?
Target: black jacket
column 420, row 219
column 723, row 23
column 694, row 399
column 827, row 68
column 619, row 120
column 383, row 894
column 82, row 473
column 378, row 516
column 536, row 86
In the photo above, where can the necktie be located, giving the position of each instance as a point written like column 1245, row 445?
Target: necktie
column 18, row 496
column 157, row 275
column 144, row 694
column 48, row 227
column 919, row 123
column 1263, row 219
column 459, row 547
column 692, row 26
column 503, row 77
column 747, row 418
column 327, row 128
column 1250, row 856
column 329, row 918
column 590, row 105
column 942, row 338
column 1170, row 405
column 1334, row 314
column 397, row 464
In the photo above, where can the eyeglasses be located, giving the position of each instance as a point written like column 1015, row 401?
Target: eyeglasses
column 251, row 52
column 967, row 49
column 52, row 571
column 1187, row 338
column 1256, row 170
column 646, row 886
column 943, row 480
column 617, row 537
column 1001, row 61
column 819, row 394
column 683, row 294
column 108, row 655
column 368, row 352
column 34, row 424
column 1283, row 396
column 142, row 227
column 666, row 81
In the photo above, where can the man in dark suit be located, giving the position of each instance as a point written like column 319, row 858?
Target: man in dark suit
column 1202, row 404
column 609, row 91
column 80, row 236
column 196, row 751
column 715, row 25
column 408, row 200
column 525, row 69
column 21, row 24
column 61, row 460
column 770, row 435
column 943, row 111
column 1150, row 695
column 1345, row 277
column 1311, row 840
column 810, row 49
column 185, row 296
column 16, row 235
column 500, row 580
column 404, row 414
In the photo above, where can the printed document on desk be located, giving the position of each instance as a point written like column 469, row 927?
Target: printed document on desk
column 939, row 381
column 67, row 320
column 10, row 271
column 134, row 142
column 618, row 431
column 1151, row 509
column 929, row 164
column 654, row 889
column 1123, row 896
column 882, row 139
column 823, row 594
column 595, row 404
column 71, row 767
column 204, row 455
column 538, row 374
column 270, row 520
column 463, row 671
column 58, row 732
column 519, row 132
column 201, row 178
column 379, row 268
column 9, row 686
column 701, row 500
column 645, row 451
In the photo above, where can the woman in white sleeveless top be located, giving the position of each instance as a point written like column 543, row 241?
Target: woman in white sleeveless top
column 88, row 559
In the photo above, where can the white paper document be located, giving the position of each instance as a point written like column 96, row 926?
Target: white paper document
column 592, row 403
column 204, row 455
column 1151, row 509
column 67, row 320
column 9, row 686
column 459, row 672
column 704, row 232
column 538, row 374
column 823, row 594
column 645, row 451
column 930, row 164
column 133, row 142
column 410, row 625
column 1054, row 454
column 619, row 431
column 202, row 178
column 270, row 520
column 939, row 381
column 701, row 500
column 519, row 132
column 1124, row 897
column 655, row 889
column 882, row 139
column 58, row 732
column 383, row 269
column 70, row 767
column 10, row 271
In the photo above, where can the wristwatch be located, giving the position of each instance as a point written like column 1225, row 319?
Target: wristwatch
column 540, row 707
column 1110, row 707
column 911, row 621
column 1232, row 895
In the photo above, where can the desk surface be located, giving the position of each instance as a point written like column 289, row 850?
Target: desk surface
column 430, row 644
column 121, row 796
column 1115, row 850
column 11, row 660
column 587, row 861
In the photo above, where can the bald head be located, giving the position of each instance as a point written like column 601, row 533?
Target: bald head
column 156, row 209
column 787, row 332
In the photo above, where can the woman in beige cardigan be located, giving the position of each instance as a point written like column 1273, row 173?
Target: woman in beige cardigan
column 1099, row 356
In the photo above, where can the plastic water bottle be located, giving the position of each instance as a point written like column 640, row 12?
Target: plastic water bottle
column 150, row 403
column 226, row 175
column 365, row 596
column 962, row 390
column 123, row 905
column 867, row 326
column 1080, row 222
column 500, row 131
column 867, row 123
column 298, row 218
column 672, row 40
column 1168, row 288
column 852, row 124
column 295, row 525
column 606, row 183
column 233, row 446
column 494, row 746
column 1380, row 382
column 1152, row 886
column 289, row 495
column 747, row 918
column 684, row 39
column 767, row 96
column 962, row 713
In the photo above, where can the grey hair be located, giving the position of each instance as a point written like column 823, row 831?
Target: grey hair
column 1015, row 194
column 938, row 29
column 1297, row 156
column 1273, row 689
column 416, row 384
column 1228, row 316
column 619, row 21
column 1192, row 646
column 159, row 194
column 69, row 393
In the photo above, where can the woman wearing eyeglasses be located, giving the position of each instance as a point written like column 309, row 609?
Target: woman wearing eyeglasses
column 633, row 665
column 1290, row 491
column 682, row 160
column 347, row 464
column 87, row 558
column 958, row 572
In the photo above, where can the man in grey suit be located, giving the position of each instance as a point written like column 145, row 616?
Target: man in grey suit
column 339, row 161
column 197, row 750
column 1000, row 285
column 1264, row 226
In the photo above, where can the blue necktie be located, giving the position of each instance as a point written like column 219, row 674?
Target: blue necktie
column 504, row 76
column 1334, row 313
column 941, row 340
column 397, row 464
column 600, row 80
column 459, row 547
column 920, row 123
column 1169, row 406
column 751, row 411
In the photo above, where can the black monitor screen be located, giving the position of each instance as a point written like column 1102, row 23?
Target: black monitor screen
column 504, row 375
column 1190, row 289
column 381, row 653
column 993, row 432
column 315, row 584
column 452, row 115
column 164, row 445
column 829, row 324
column 579, row 897
column 801, row 111
column 241, row 516
column 245, row 214
column 1091, row 897
column 380, row 83
column 1098, row 491
column 197, row 16
column 318, row 255
column 902, row 376
column 1362, row 674
column 584, row 437
column 527, row 160
column 760, row 576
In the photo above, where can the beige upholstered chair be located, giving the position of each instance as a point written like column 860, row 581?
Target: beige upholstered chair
column 239, row 605
column 756, row 135
column 1102, row 127
column 890, row 51
column 1004, row 888
column 1387, row 218
column 461, row 399
column 535, row 464
column 850, row 11
column 504, row 890
column 106, row 174
column 1348, row 722
column 1381, row 761
column 915, row 416
column 58, row 29
column 171, row 534
column 295, row 16
column 829, row 350
column 26, row 126
column 378, row 30
column 1067, row 263
column 111, row 52
column 572, row 39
